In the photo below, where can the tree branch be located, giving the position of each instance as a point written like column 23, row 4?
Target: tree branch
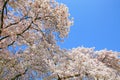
column 17, row 21
column 25, row 29
column 2, row 15
column 16, row 34
column 67, row 77
column 59, row 77
column 18, row 75
column 4, row 37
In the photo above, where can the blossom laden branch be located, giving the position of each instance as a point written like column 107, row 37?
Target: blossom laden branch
column 19, row 75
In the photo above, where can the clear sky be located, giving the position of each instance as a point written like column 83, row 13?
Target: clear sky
column 96, row 24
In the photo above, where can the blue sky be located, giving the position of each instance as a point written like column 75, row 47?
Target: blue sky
column 96, row 24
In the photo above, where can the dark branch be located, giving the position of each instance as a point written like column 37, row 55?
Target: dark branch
column 25, row 29
column 8, row 44
column 18, row 75
column 17, row 21
column 11, row 43
column 4, row 37
column 19, row 34
column 59, row 77
column 71, row 76
column 2, row 15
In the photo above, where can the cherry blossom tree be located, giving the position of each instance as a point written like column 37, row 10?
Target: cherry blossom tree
column 38, row 25
column 86, row 64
